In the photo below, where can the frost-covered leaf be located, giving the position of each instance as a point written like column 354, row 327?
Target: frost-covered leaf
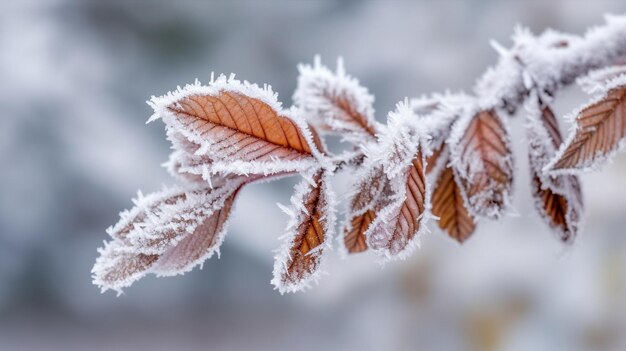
column 561, row 206
column 367, row 200
column 118, row 266
column 401, row 198
column 394, row 231
column 600, row 131
column 170, row 215
column 240, row 127
column 481, row 157
column 558, row 198
column 390, row 158
column 448, row 203
column 308, row 234
column 335, row 101
column 196, row 248
column 354, row 239
column 166, row 233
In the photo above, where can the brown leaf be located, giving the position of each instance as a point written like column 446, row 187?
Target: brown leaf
column 354, row 237
column 335, row 102
column 484, row 166
column 350, row 114
column 135, row 219
column 118, row 267
column 171, row 215
column 562, row 211
column 558, row 199
column 299, row 261
column 240, row 127
column 366, row 202
column 397, row 224
column 166, row 233
column 196, row 248
column 600, row 130
column 449, row 206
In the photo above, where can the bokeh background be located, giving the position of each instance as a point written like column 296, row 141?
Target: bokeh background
column 74, row 149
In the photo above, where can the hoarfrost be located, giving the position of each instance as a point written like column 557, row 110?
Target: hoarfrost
column 308, row 234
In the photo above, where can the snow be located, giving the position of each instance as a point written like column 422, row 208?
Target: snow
column 603, row 79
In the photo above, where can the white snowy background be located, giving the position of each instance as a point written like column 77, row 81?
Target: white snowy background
column 74, row 149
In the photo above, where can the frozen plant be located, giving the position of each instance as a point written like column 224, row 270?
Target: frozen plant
column 444, row 156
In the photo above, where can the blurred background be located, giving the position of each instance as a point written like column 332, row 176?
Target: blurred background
column 74, row 149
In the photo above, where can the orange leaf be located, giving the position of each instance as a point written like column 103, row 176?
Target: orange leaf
column 482, row 160
column 240, row 127
column 600, row 131
column 246, row 128
column 312, row 217
column 366, row 202
column 354, row 236
column 449, row 206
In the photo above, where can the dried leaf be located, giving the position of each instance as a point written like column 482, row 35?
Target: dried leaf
column 483, row 163
column 166, row 233
column 335, row 102
column 354, row 239
column 600, row 132
column 448, row 204
column 240, row 127
column 171, row 218
column 200, row 246
column 390, row 159
column 308, row 234
column 560, row 207
column 395, row 228
column 366, row 202
column 118, row 266
column 558, row 199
